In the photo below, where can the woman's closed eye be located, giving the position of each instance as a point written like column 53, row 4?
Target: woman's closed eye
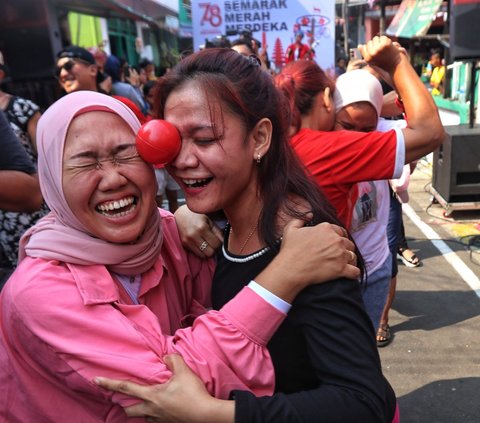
column 85, row 165
column 126, row 157
column 117, row 160
column 88, row 161
column 206, row 141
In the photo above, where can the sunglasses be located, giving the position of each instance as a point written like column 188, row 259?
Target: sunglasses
column 68, row 66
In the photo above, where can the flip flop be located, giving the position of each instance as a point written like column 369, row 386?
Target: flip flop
column 384, row 336
column 412, row 261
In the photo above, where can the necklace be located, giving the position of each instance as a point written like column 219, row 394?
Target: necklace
column 250, row 257
column 244, row 259
column 248, row 237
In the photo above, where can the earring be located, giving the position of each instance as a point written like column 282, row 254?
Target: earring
column 259, row 158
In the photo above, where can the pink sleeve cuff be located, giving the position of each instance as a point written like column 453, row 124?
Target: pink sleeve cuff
column 254, row 316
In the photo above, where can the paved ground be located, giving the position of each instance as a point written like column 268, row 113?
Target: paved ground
column 433, row 362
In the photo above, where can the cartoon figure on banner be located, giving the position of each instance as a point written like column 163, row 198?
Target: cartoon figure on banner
column 315, row 27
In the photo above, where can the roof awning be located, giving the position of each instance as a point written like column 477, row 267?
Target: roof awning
column 413, row 18
column 146, row 10
column 351, row 3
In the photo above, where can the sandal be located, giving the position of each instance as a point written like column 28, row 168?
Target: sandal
column 408, row 257
column 384, row 336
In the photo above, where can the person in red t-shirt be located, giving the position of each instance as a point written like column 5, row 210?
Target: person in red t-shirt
column 337, row 160
column 298, row 50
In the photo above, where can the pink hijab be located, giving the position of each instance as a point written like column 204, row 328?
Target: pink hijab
column 60, row 235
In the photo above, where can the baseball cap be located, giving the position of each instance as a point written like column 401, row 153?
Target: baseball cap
column 75, row 52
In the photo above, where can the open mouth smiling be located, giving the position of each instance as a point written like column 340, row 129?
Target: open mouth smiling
column 68, row 79
column 196, row 183
column 117, row 208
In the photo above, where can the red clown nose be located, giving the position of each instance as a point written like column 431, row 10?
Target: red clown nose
column 158, row 142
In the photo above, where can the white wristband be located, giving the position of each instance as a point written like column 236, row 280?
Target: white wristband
column 269, row 297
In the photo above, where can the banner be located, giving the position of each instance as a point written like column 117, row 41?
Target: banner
column 272, row 22
column 413, row 18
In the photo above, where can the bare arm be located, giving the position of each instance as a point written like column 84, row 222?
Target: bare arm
column 329, row 259
column 19, row 187
column 389, row 106
column 19, row 192
column 32, row 130
column 425, row 131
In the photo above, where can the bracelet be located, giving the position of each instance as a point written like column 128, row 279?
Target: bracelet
column 399, row 104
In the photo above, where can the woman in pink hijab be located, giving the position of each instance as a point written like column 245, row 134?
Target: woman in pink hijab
column 104, row 287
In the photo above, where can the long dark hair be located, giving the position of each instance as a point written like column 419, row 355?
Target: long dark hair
column 249, row 92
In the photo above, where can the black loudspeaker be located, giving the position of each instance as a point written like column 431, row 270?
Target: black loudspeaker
column 456, row 165
column 464, row 39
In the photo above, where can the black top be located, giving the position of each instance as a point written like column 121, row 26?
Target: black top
column 325, row 356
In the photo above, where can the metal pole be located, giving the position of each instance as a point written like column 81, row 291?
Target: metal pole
column 382, row 17
column 473, row 73
column 345, row 27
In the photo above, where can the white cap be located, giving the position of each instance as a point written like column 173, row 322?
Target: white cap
column 358, row 85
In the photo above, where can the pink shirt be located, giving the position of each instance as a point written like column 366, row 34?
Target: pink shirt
column 62, row 325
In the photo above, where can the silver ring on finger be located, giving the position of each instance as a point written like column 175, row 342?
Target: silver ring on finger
column 203, row 246
column 353, row 258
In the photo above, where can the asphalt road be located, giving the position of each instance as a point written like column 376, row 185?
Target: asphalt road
column 433, row 362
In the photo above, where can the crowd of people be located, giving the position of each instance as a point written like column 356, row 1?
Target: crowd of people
column 114, row 307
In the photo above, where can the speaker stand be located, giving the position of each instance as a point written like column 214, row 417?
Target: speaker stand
column 451, row 207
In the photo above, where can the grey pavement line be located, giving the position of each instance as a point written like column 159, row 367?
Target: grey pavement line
column 450, row 256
